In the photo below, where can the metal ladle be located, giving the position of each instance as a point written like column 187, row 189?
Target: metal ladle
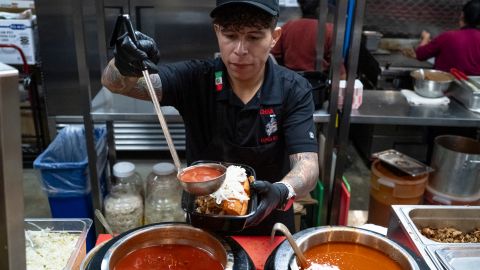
column 104, row 222
column 153, row 95
column 304, row 264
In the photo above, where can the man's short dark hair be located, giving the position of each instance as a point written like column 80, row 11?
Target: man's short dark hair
column 471, row 13
column 310, row 8
column 237, row 16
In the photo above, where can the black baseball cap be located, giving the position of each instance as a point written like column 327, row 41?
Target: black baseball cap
column 269, row 6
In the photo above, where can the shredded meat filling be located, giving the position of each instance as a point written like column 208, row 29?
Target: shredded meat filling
column 451, row 235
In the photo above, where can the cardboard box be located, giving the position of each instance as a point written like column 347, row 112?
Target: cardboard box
column 17, row 3
column 21, row 33
column 357, row 94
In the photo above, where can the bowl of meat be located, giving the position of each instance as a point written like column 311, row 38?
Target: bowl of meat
column 226, row 209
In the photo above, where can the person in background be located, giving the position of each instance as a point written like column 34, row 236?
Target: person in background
column 296, row 48
column 457, row 48
column 239, row 107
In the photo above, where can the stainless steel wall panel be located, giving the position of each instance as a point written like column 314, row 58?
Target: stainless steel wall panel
column 183, row 30
column 70, row 53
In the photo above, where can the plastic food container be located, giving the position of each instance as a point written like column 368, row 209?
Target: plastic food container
column 436, row 197
column 77, row 227
column 389, row 187
column 219, row 223
column 372, row 39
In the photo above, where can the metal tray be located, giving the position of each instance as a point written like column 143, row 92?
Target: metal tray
column 467, row 97
column 461, row 218
column 219, row 223
column 406, row 221
column 456, row 258
column 403, row 162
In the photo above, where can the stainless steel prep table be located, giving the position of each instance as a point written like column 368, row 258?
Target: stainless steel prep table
column 391, row 108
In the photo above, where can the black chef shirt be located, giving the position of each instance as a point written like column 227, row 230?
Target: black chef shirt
column 275, row 123
column 281, row 113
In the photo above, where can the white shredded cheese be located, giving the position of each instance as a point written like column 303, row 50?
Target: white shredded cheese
column 232, row 187
column 46, row 250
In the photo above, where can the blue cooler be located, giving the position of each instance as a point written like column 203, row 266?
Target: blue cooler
column 65, row 174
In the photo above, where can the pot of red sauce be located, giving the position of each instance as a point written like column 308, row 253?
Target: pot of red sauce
column 203, row 178
column 169, row 246
column 340, row 247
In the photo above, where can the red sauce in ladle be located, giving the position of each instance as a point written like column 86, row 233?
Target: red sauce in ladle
column 200, row 174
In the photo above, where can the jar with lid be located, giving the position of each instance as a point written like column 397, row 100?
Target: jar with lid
column 123, row 208
column 163, row 195
column 124, row 172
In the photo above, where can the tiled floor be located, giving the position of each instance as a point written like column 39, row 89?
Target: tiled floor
column 357, row 173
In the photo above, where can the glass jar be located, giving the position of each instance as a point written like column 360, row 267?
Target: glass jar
column 124, row 172
column 123, row 208
column 163, row 195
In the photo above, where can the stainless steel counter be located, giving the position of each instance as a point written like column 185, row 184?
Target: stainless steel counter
column 390, row 107
column 379, row 107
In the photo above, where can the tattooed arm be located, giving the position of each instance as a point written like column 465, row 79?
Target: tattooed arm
column 129, row 86
column 303, row 173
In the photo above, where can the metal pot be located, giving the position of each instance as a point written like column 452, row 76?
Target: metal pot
column 432, row 84
column 90, row 255
column 169, row 234
column 456, row 161
column 372, row 39
column 285, row 259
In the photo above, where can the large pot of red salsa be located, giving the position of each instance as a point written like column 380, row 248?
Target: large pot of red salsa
column 341, row 247
column 168, row 246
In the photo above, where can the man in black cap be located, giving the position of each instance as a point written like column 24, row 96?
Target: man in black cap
column 239, row 108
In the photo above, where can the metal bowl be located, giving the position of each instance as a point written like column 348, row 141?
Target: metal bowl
column 203, row 187
column 90, row 255
column 433, row 84
column 169, row 234
column 284, row 257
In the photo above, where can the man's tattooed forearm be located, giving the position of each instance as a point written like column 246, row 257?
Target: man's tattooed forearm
column 140, row 90
column 304, row 172
column 129, row 86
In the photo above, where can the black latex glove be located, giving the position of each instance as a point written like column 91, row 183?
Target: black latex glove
column 129, row 59
column 271, row 196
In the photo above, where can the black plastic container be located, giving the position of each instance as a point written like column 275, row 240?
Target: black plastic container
column 219, row 223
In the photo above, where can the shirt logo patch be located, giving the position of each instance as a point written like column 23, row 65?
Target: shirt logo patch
column 312, row 136
column 267, row 111
column 271, row 127
column 218, row 81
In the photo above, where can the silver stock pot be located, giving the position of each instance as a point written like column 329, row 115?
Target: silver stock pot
column 284, row 258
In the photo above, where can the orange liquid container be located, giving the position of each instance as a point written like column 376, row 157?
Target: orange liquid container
column 388, row 187
column 434, row 197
